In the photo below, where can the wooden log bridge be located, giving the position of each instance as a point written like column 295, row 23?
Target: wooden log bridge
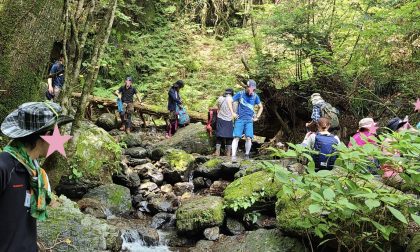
column 142, row 108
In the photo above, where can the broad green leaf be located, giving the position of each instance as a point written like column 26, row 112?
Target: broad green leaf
column 372, row 203
column 416, row 218
column 397, row 214
column 345, row 202
column 328, row 194
column 315, row 208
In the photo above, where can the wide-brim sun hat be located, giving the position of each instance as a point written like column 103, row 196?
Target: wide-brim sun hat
column 366, row 123
column 33, row 117
column 316, row 98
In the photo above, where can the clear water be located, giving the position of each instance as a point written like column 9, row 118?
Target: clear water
column 133, row 243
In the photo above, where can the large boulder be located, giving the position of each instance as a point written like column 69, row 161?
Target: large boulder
column 192, row 138
column 93, row 156
column 177, row 166
column 211, row 169
column 78, row 231
column 198, row 213
column 251, row 191
column 107, row 121
column 260, row 240
column 112, row 197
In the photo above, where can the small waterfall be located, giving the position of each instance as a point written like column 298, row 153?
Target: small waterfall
column 132, row 242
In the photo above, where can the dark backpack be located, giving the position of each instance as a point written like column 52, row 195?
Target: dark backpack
column 324, row 144
column 328, row 111
column 211, row 121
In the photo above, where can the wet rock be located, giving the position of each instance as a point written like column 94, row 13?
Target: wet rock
column 178, row 164
column 143, row 169
column 150, row 236
column 202, row 246
column 199, row 213
column 157, row 153
column 128, row 178
column 192, row 138
column 149, row 186
column 156, row 176
column 211, row 169
column 175, row 239
column 182, row 187
column 261, row 186
column 229, row 169
column 234, row 227
column 75, row 189
column 114, row 198
column 202, row 159
column 200, row 183
column 137, row 161
column 218, row 187
column 266, row 222
column 163, row 221
column 143, row 206
column 211, row 234
column 137, row 201
column 84, row 231
column 164, row 203
column 107, row 121
column 136, row 152
column 166, row 188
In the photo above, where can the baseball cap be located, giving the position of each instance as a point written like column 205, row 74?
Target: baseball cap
column 251, row 84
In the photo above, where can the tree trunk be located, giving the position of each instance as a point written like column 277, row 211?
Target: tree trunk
column 101, row 41
column 28, row 30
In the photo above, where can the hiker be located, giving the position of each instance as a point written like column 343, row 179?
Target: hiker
column 126, row 95
column 246, row 117
column 324, row 142
column 224, row 128
column 24, row 187
column 391, row 173
column 174, row 101
column 312, row 130
column 56, row 79
column 321, row 108
column 364, row 136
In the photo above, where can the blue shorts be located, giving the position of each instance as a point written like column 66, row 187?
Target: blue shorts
column 243, row 126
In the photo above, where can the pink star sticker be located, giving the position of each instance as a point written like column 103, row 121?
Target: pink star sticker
column 373, row 128
column 417, row 105
column 56, row 142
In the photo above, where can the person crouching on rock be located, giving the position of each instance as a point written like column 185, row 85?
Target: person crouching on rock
column 126, row 94
column 24, row 186
column 246, row 117
column 174, row 100
column 224, row 129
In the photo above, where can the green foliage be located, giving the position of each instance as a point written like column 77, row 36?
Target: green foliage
column 348, row 203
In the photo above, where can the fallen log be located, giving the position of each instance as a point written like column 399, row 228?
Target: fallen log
column 142, row 108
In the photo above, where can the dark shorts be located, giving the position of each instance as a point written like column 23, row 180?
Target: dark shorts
column 224, row 128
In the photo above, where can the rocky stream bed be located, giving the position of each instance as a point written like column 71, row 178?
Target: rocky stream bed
column 141, row 192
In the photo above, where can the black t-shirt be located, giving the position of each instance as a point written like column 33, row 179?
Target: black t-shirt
column 127, row 94
column 17, row 226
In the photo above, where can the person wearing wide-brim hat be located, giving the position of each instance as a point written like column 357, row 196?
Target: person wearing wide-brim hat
column 24, row 186
column 363, row 133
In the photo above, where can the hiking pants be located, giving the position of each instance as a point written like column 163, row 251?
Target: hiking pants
column 128, row 109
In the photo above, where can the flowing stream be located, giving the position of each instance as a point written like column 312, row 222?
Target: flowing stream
column 132, row 242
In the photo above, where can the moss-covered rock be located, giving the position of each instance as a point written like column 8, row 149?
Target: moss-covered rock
column 250, row 190
column 260, row 240
column 178, row 164
column 211, row 169
column 93, row 157
column 199, row 213
column 77, row 231
column 414, row 245
column 107, row 121
column 192, row 138
column 112, row 197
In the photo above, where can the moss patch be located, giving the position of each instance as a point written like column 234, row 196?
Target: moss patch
column 179, row 160
column 213, row 163
column 251, row 186
column 199, row 213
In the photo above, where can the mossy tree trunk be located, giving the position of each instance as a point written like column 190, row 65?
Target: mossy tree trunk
column 28, row 30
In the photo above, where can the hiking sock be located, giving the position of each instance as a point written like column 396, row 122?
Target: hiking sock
column 235, row 146
column 217, row 152
column 248, row 145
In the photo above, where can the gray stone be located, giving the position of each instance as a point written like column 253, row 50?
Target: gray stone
column 211, row 234
column 183, row 187
column 163, row 220
column 149, row 186
column 166, row 188
column 112, row 197
column 107, row 121
column 156, row 176
column 165, row 203
column 137, row 161
column 136, row 152
column 234, row 227
column 218, row 187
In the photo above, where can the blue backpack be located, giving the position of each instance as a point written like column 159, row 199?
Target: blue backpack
column 183, row 117
column 324, row 144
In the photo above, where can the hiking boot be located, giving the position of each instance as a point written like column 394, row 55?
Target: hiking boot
column 246, row 157
column 234, row 160
column 228, row 151
column 128, row 130
column 217, row 152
